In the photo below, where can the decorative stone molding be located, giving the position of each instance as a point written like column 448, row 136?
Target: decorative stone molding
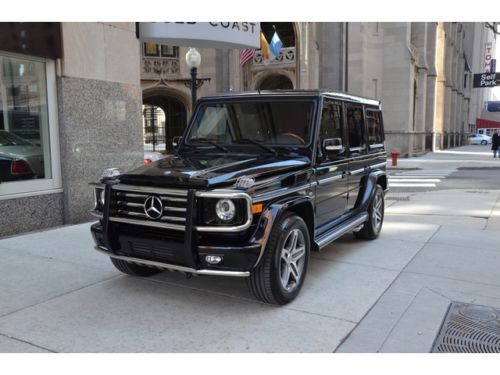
column 286, row 58
column 157, row 68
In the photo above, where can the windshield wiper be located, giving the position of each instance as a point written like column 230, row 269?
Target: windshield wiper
column 209, row 141
column 258, row 143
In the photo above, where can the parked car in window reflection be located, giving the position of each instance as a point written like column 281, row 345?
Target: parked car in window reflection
column 19, row 158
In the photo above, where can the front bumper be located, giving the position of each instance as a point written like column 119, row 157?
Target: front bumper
column 186, row 253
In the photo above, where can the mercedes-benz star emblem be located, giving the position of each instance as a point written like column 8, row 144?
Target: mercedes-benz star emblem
column 153, row 207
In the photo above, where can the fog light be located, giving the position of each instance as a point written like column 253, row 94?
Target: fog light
column 213, row 259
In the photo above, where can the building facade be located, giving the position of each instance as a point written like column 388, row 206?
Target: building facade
column 70, row 97
column 88, row 96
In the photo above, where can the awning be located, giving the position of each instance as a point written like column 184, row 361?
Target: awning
column 487, row 124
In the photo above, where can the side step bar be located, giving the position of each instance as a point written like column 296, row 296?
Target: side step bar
column 329, row 237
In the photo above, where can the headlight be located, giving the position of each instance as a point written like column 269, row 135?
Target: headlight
column 225, row 210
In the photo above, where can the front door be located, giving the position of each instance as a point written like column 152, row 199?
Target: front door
column 331, row 168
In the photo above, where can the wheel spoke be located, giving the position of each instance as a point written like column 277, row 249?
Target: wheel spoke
column 298, row 253
column 285, row 275
column 295, row 236
column 294, row 270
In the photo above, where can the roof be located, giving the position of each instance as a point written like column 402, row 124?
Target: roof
column 298, row 93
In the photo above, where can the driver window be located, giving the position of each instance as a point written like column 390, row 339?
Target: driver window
column 331, row 123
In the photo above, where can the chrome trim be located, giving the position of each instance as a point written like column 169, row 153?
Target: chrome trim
column 330, row 179
column 171, row 199
column 131, row 204
column 279, row 193
column 150, row 190
column 174, row 267
column 175, row 209
column 96, row 214
column 148, row 223
column 172, row 218
column 228, row 194
column 100, row 187
column 357, row 171
column 322, row 242
column 384, row 164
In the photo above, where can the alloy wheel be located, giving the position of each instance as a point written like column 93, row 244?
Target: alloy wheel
column 378, row 212
column 292, row 260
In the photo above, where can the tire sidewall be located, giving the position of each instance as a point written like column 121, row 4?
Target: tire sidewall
column 286, row 225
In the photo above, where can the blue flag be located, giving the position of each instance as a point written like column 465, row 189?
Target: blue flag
column 275, row 45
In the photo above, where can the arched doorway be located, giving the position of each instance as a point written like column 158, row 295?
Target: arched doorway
column 164, row 118
column 276, row 82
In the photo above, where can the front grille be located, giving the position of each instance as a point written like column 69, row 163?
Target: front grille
column 129, row 206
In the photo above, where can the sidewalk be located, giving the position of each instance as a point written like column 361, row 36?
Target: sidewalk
column 470, row 156
column 388, row 295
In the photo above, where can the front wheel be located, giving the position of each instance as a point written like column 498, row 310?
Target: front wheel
column 484, row 142
column 280, row 276
column 371, row 228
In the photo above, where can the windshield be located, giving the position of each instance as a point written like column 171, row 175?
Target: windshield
column 9, row 139
column 271, row 123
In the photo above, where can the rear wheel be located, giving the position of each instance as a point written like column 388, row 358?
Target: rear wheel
column 483, row 142
column 133, row 269
column 280, row 276
column 371, row 228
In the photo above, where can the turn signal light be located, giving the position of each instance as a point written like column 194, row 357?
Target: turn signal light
column 257, row 208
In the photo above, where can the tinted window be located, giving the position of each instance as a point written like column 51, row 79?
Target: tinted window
column 355, row 127
column 331, row 122
column 374, row 129
column 276, row 123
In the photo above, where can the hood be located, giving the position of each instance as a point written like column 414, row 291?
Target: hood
column 211, row 170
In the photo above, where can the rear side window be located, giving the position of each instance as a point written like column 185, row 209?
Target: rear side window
column 374, row 129
column 355, row 125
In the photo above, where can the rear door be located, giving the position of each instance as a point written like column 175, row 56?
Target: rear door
column 358, row 157
column 331, row 169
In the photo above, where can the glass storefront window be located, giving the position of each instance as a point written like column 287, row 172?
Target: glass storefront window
column 26, row 160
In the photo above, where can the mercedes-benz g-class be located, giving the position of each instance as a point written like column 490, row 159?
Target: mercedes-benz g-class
column 257, row 182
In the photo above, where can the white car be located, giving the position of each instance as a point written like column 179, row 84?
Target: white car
column 479, row 139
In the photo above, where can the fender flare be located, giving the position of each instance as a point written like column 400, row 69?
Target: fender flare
column 369, row 183
column 271, row 215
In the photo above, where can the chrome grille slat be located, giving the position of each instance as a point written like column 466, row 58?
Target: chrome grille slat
column 130, row 206
column 172, row 218
column 175, row 209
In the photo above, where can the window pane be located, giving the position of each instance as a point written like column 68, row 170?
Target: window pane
column 331, row 121
column 276, row 123
column 24, row 130
column 374, row 128
column 356, row 128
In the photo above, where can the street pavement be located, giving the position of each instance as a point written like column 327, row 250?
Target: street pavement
column 388, row 295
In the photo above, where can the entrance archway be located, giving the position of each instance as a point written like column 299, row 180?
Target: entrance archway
column 276, row 82
column 164, row 118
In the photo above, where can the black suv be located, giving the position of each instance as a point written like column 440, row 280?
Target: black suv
column 258, row 181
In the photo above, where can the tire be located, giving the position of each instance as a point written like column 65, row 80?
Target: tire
column 371, row 228
column 279, row 278
column 133, row 269
column 484, row 142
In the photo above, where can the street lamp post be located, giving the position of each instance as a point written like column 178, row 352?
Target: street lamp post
column 193, row 60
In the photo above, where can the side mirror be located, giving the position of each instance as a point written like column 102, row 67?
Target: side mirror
column 333, row 146
column 176, row 141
